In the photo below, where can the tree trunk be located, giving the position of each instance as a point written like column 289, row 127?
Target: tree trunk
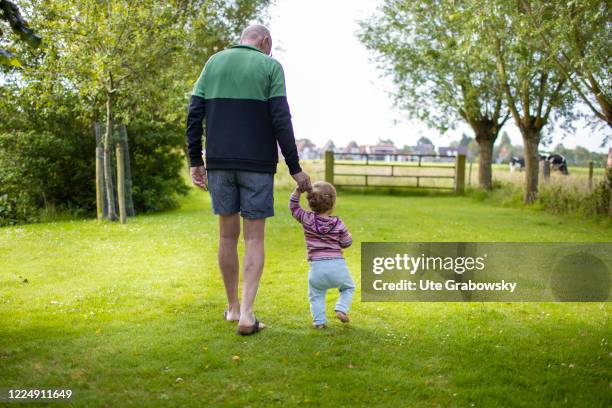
column 485, row 158
column 108, row 176
column 531, row 140
column 486, row 131
column 609, row 178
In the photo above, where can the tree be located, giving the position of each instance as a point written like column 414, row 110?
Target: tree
column 442, row 73
column 9, row 12
column 107, row 49
column 424, row 141
column 576, row 38
column 465, row 140
column 125, row 58
column 154, row 63
column 505, row 139
column 532, row 85
column 473, row 148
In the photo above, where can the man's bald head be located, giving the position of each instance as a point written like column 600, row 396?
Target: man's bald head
column 257, row 36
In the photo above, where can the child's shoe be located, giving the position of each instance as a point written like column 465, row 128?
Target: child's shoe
column 342, row 316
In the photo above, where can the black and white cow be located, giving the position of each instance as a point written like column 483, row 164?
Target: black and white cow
column 558, row 162
column 517, row 164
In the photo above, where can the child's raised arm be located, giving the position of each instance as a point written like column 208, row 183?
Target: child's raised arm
column 345, row 236
column 294, row 206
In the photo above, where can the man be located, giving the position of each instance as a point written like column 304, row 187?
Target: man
column 241, row 93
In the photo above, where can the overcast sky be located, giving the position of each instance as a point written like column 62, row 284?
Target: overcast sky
column 334, row 89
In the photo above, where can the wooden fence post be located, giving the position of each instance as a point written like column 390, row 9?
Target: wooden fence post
column 460, row 173
column 329, row 166
column 545, row 170
column 470, row 174
column 590, row 175
column 121, row 182
column 99, row 182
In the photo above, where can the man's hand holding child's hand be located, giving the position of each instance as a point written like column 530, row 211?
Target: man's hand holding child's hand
column 303, row 181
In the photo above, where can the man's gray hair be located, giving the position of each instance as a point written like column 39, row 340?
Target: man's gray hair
column 255, row 32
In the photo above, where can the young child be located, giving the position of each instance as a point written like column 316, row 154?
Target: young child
column 325, row 236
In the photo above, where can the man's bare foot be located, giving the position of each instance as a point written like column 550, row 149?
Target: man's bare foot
column 247, row 326
column 231, row 314
column 342, row 316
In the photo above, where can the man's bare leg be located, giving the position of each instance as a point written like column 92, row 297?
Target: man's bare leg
column 229, row 232
column 253, row 268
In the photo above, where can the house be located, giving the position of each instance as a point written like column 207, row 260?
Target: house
column 307, row 150
column 424, row 148
column 504, row 155
column 328, row 146
column 382, row 151
column 353, row 151
column 452, row 150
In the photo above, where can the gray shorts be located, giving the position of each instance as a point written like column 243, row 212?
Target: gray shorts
column 249, row 193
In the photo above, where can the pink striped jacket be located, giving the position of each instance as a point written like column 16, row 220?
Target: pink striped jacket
column 325, row 236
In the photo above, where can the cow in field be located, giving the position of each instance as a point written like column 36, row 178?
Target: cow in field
column 517, row 164
column 558, row 162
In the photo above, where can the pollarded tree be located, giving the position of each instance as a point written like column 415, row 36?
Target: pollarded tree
column 578, row 38
column 443, row 74
column 532, row 84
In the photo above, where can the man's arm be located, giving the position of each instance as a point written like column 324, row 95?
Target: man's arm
column 281, row 119
column 283, row 132
column 195, row 117
column 283, row 128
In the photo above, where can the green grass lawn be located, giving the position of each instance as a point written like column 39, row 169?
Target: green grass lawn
column 132, row 316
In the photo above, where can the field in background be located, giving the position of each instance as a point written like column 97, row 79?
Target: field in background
column 578, row 176
column 559, row 194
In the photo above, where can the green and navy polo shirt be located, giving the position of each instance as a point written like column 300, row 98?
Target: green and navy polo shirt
column 241, row 94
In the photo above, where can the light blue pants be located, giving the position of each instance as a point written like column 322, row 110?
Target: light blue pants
column 326, row 274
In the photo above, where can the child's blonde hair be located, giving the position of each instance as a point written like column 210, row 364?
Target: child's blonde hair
column 322, row 198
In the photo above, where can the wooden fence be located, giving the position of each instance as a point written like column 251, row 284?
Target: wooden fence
column 402, row 170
